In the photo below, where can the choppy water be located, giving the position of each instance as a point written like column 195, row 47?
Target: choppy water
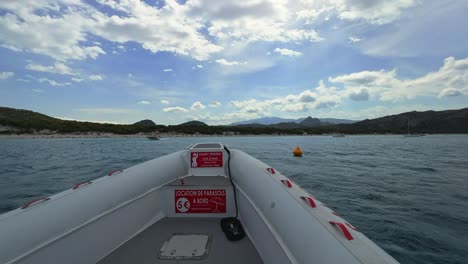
column 409, row 195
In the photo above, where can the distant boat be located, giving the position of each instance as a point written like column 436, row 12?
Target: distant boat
column 153, row 138
column 412, row 135
column 338, row 134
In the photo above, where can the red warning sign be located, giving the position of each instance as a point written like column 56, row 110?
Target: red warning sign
column 200, row 201
column 206, row 159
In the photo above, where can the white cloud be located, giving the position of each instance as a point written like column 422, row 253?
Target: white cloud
column 287, row 52
column 58, row 67
column 353, row 39
column 253, row 21
column 77, row 79
column 320, row 97
column 6, row 75
column 53, row 82
column 229, row 63
column 156, row 29
column 167, row 70
column 65, row 29
column 197, row 106
column 375, row 12
column 37, row 27
column 96, row 77
column 450, row 80
column 450, row 92
column 215, row 104
column 144, row 102
column 198, row 66
column 164, row 102
column 175, row 109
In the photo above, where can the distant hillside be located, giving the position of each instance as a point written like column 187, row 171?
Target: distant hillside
column 278, row 120
column 145, row 122
column 449, row 121
column 17, row 121
column 193, row 123
column 310, row 122
column 25, row 121
column 264, row 121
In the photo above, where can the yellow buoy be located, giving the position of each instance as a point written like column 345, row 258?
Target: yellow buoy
column 297, row 152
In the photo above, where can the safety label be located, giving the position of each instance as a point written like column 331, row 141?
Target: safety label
column 206, row 159
column 200, row 201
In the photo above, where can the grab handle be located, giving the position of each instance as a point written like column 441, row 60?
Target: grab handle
column 81, row 184
column 287, row 183
column 114, row 172
column 36, row 201
column 309, row 200
column 343, row 229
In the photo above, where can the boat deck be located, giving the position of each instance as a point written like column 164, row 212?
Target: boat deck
column 146, row 246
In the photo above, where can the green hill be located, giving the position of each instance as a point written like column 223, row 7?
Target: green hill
column 450, row 121
column 26, row 121
column 193, row 123
column 145, row 122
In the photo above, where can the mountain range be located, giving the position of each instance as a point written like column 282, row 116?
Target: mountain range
column 276, row 120
column 17, row 121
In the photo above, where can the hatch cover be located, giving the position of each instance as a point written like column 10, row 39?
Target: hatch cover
column 186, row 246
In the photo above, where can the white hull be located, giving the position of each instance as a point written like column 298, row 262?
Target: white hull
column 90, row 223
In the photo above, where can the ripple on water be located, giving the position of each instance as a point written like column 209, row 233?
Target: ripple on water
column 408, row 196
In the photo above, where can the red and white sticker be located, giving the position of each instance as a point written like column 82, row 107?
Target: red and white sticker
column 200, row 201
column 206, row 159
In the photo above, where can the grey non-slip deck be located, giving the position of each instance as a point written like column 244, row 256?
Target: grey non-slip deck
column 145, row 247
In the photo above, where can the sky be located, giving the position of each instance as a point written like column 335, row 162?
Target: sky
column 224, row 61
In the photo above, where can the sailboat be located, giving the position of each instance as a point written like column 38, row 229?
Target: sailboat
column 412, row 135
column 338, row 134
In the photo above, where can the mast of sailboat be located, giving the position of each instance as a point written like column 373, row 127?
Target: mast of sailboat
column 408, row 127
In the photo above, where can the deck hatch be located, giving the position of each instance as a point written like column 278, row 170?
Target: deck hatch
column 207, row 145
column 186, row 246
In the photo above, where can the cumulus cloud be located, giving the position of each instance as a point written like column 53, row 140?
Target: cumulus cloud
column 175, row 109
column 96, row 77
column 58, row 68
column 197, row 106
column 31, row 27
column 144, row 102
column 375, row 12
column 6, row 75
column 215, row 104
column 167, row 70
column 359, row 95
column 66, row 29
column 449, row 92
column 225, row 62
column 287, row 52
column 353, row 39
column 53, row 82
column 164, row 101
column 320, row 97
column 198, row 66
column 450, row 80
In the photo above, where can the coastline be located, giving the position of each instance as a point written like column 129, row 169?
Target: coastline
column 159, row 135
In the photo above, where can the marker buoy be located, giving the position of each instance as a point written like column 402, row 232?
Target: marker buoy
column 297, row 152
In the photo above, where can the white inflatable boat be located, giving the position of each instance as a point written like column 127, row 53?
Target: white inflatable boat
column 205, row 204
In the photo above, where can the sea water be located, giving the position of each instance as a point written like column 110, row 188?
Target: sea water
column 408, row 195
